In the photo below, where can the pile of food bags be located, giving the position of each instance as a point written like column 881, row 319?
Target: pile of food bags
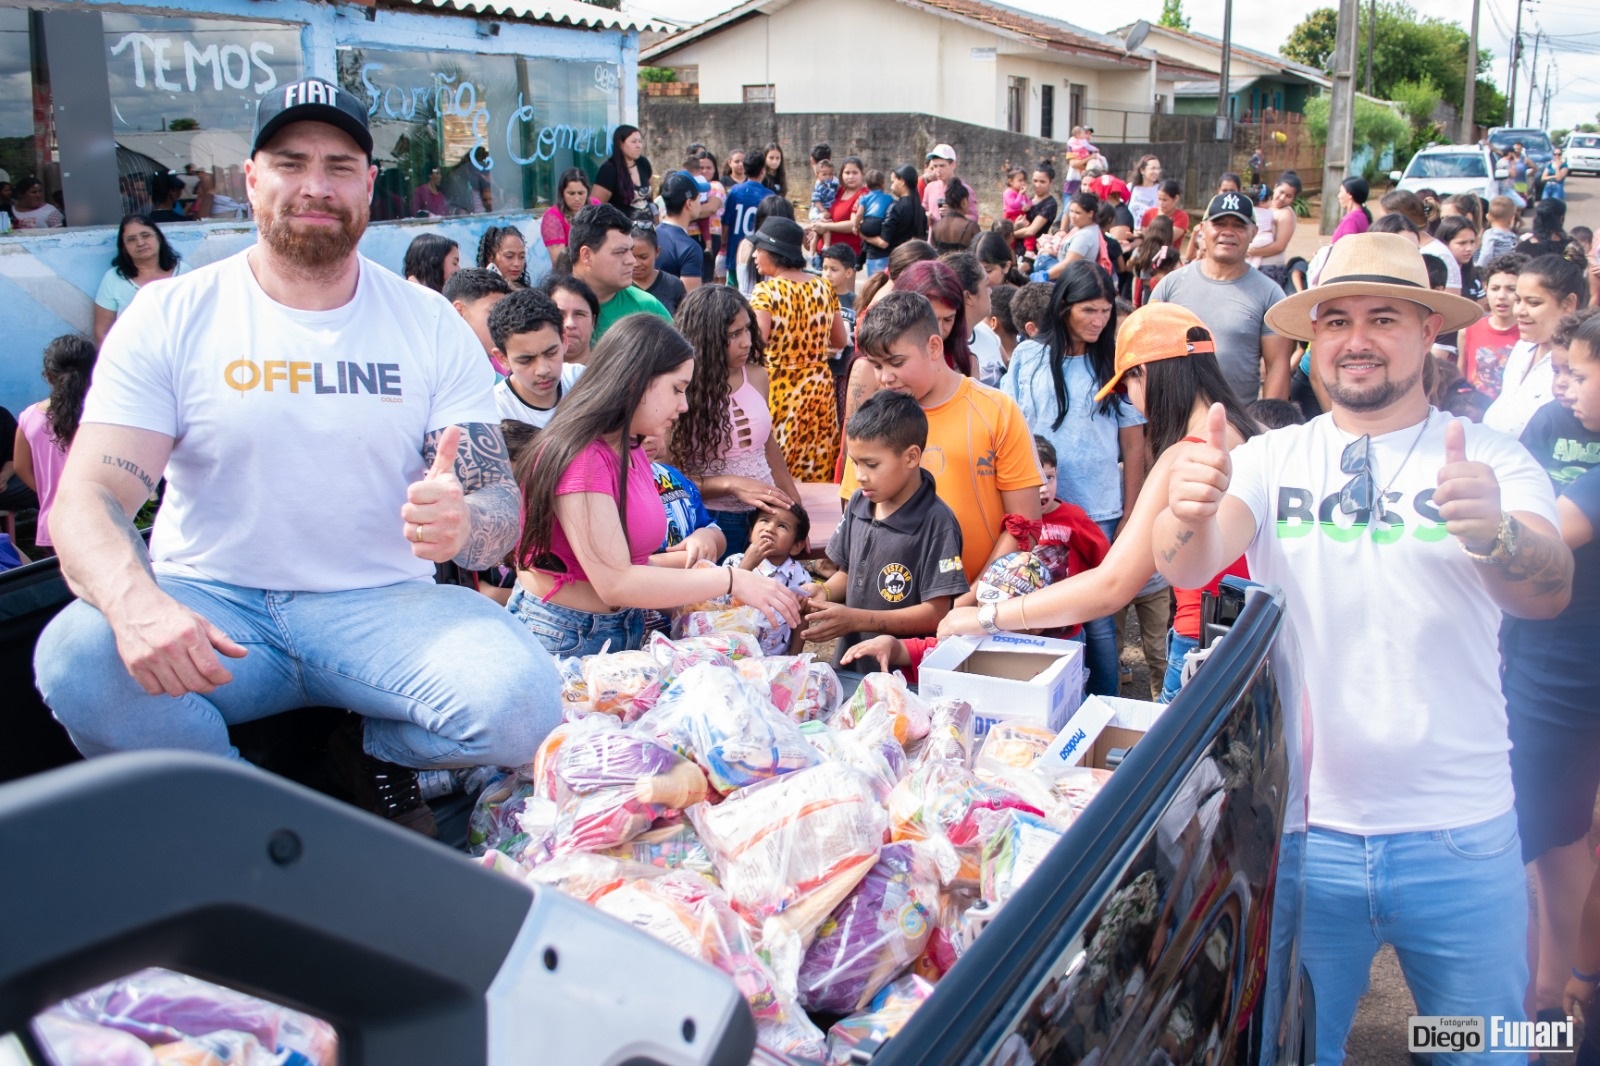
column 160, row 1018
column 833, row 857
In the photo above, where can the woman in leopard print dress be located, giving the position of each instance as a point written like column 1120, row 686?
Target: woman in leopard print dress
column 800, row 323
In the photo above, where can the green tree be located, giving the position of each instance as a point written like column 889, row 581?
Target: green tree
column 1172, row 15
column 1376, row 126
column 180, row 125
column 1311, row 42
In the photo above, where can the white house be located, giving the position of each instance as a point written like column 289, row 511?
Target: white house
column 1257, row 81
column 964, row 60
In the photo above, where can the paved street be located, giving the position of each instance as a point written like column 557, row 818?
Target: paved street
column 1378, row 1038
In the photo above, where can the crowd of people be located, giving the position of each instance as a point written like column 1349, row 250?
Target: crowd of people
column 1163, row 396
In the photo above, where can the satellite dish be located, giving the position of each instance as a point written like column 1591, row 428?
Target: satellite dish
column 1136, row 36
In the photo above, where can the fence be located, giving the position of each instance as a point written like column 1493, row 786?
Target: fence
column 1284, row 140
column 1189, row 151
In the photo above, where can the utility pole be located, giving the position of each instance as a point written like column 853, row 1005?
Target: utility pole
column 1372, row 34
column 1533, row 77
column 1224, row 127
column 1341, row 112
column 1469, row 105
column 1511, row 69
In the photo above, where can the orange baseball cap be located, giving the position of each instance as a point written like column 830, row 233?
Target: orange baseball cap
column 1154, row 332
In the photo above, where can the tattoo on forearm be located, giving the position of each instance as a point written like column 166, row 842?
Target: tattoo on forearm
column 1184, row 536
column 484, row 469
column 1542, row 562
column 119, row 520
column 131, row 467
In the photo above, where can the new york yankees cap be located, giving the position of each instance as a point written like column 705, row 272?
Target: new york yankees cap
column 311, row 100
column 1230, row 203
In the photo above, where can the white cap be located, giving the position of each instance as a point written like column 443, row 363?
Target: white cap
column 943, row 151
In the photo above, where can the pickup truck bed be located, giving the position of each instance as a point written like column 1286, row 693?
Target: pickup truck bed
column 1160, row 928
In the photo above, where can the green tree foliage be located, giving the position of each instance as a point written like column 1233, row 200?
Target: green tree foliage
column 1311, row 42
column 1408, row 49
column 180, row 125
column 1376, row 126
column 650, row 74
column 1172, row 15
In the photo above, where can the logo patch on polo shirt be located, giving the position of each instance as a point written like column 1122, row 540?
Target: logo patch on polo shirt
column 894, row 583
column 950, row 565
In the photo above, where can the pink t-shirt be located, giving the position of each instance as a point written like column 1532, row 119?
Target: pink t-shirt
column 596, row 469
column 48, row 459
column 555, row 228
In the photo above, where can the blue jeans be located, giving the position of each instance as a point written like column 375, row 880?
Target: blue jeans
column 735, row 526
column 1453, row 903
column 567, row 632
column 876, row 266
column 443, row 677
column 1178, row 646
column 1100, row 650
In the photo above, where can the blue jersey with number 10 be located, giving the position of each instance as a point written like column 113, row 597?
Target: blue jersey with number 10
column 739, row 216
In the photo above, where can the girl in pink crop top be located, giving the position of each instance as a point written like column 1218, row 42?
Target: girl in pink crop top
column 724, row 441
column 590, row 525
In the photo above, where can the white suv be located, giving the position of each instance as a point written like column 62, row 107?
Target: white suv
column 1582, row 152
column 1449, row 169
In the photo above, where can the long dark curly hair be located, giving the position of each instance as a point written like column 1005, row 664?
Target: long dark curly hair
column 68, row 366
column 1083, row 280
column 489, row 244
column 703, row 433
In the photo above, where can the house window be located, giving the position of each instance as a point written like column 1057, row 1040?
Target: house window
column 1047, row 112
column 1016, row 103
column 499, row 128
column 760, row 94
column 183, row 100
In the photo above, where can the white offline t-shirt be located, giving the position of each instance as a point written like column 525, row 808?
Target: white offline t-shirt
column 1399, row 635
column 296, row 433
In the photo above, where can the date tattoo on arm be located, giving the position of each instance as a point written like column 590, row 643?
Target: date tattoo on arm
column 133, row 468
column 483, row 466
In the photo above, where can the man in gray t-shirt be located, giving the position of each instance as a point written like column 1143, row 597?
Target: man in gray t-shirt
column 1232, row 297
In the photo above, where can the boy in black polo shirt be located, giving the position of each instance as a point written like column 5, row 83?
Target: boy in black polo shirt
column 898, row 547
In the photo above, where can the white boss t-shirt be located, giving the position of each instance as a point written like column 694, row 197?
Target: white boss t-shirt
column 296, row 433
column 1398, row 633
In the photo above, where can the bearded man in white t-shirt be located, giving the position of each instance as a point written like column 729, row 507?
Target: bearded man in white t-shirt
column 1399, row 535
column 328, row 433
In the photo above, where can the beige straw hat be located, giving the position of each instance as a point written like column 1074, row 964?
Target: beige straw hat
column 1371, row 264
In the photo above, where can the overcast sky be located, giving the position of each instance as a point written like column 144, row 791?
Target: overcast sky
column 1573, row 59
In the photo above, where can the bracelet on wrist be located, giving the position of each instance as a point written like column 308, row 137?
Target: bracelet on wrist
column 1586, row 978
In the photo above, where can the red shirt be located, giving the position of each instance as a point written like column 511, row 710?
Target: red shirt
column 1180, row 220
column 843, row 207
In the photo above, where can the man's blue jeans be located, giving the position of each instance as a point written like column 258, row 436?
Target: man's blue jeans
column 1453, row 903
column 445, row 676
column 1100, row 656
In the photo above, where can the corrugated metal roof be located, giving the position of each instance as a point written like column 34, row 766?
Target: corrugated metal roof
column 557, row 12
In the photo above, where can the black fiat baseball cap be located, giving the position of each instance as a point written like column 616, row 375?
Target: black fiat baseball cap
column 311, row 100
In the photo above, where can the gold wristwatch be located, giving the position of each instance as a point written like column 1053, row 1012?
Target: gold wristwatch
column 1504, row 546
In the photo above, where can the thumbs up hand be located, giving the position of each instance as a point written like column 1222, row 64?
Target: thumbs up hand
column 435, row 517
column 1468, row 496
column 1200, row 475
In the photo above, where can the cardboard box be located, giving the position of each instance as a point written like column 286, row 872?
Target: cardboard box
column 1100, row 725
column 1011, row 677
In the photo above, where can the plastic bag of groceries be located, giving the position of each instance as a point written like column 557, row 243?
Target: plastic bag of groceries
column 693, row 915
column 1015, row 843
column 669, row 845
column 493, row 824
column 622, row 683
column 714, row 620
column 782, row 677
column 791, row 849
column 883, row 1018
column 950, row 735
column 821, row 695
column 944, row 799
column 880, row 928
column 870, row 747
column 612, row 784
column 1016, row 744
column 908, row 711
column 182, row 1019
column 714, row 716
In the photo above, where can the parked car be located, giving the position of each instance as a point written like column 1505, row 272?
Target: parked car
column 1582, row 153
column 1449, row 169
column 1163, row 924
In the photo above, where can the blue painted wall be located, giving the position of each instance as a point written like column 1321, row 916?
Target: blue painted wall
column 48, row 280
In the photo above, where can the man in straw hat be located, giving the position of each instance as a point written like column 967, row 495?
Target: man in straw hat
column 1399, row 535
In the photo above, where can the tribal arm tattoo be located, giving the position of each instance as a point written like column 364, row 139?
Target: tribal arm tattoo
column 483, row 466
